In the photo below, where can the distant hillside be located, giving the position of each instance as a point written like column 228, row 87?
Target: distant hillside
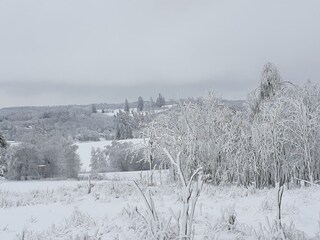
column 76, row 121
column 238, row 104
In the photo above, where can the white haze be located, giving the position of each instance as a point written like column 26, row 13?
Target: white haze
column 76, row 51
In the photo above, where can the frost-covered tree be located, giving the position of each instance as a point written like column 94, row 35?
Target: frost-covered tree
column 22, row 161
column 150, row 148
column 124, row 125
column 102, row 161
column 270, row 84
column 270, row 81
column 198, row 131
column 87, row 135
column 94, row 162
column 71, row 161
column 265, row 130
column 303, row 124
column 275, row 140
column 55, row 156
column 239, row 150
column 98, row 161
column 125, row 157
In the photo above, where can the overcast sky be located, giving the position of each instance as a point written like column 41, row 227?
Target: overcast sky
column 57, row 52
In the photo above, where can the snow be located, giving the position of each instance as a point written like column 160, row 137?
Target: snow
column 27, row 186
column 63, row 209
column 84, row 150
column 125, row 176
column 113, row 112
column 13, row 143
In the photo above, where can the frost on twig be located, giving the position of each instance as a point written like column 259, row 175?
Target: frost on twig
column 190, row 195
column 148, row 223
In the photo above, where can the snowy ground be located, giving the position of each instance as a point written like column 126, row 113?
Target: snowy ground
column 84, row 150
column 113, row 112
column 64, row 210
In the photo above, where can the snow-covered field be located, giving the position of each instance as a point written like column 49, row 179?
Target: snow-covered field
column 84, row 150
column 64, row 209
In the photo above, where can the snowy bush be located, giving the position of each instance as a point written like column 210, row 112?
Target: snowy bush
column 274, row 231
column 124, row 157
column 104, row 191
column 268, row 203
column 9, row 199
column 147, row 223
column 227, row 220
column 75, row 227
column 147, row 227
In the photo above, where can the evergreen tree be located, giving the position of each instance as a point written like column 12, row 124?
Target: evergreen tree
column 118, row 132
column 140, row 106
column 152, row 104
column 94, row 108
column 124, row 123
column 3, row 142
column 160, row 101
column 98, row 161
column 3, row 150
column 126, row 106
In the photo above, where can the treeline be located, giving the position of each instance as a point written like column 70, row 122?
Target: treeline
column 275, row 139
column 81, row 123
column 40, row 156
column 118, row 157
column 148, row 106
column 129, row 122
column 77, row 122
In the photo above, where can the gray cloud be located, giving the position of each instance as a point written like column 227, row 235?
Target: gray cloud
column 41, row 93
column 51, row 52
